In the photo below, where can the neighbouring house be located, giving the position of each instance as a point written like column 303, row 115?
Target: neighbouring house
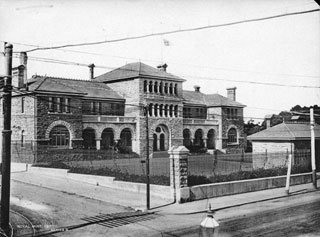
column 292, row 137
column 109, row 111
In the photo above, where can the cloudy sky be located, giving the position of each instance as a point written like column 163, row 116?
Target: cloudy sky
column 249, row 55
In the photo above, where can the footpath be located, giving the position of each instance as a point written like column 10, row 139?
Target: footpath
column 173, row 217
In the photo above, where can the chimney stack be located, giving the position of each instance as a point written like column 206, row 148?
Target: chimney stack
column 231, row 92
column 196, row 88
column 268, row 120
column 24, row 61
column 163, row 67
column 18, row 76
column 91, row 75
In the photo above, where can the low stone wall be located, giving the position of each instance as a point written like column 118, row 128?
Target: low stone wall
column 243, row 186
column 155, row 190
column 105, row 181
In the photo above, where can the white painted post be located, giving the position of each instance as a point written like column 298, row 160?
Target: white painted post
column 98, row 146
column 288, row 174
column 313, row 149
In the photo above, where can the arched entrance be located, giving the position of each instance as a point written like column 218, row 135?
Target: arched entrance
column 126, row 137
column 211, row 139
column 59, row 136
column 89, row 141
column 161, row 138
column 186, row 138
column 198, row 141
column 107, row 139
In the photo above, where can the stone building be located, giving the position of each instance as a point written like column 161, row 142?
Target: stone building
column 109, row 111
column 291, row 137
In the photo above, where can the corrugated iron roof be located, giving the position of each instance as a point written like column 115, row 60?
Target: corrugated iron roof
column 286, row 131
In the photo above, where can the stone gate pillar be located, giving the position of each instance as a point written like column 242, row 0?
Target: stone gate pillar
column 179, row 173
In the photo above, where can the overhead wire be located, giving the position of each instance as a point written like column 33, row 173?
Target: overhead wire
column 175, row 31
column 158, row 61
column 48, row 60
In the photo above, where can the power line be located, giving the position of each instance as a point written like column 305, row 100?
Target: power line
column 48, row 60
column 170, row 62
column 174, row 31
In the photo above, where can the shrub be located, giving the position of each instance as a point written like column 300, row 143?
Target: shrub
column 242, row 175
column 123, row 176
column 125, row 150
column 55, row 165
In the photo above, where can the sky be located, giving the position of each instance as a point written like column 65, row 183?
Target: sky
column 283, row 50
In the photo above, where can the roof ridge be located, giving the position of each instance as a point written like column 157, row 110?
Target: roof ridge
column 64, row 78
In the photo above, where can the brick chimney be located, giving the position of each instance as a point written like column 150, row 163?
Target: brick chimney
column 91, row 72
column 196, row 88
column 24, row 61
column 231, row 92
column 163, row 67
column 18, row 76
column 268, row 120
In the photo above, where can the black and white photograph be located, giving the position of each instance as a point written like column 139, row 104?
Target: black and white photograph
column 145, row 118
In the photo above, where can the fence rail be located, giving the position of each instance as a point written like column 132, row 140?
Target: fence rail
column 204, row 165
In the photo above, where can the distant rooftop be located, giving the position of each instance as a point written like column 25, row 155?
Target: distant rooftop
column 86, row 88
column 136, row 70
column 286, row 132
column 195, row 97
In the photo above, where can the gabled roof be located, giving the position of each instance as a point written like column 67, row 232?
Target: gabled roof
column 85, row 88
column 209, row 100
column 286, row 132
column 135, row 70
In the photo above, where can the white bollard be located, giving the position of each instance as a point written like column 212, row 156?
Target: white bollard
column 288, row 174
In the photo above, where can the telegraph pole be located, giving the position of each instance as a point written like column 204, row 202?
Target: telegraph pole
column 313, row 149
column 147, row 158
column 6, row 141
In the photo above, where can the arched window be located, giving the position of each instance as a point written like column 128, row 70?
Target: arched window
column 59, row 136
column 126, row 137
column 166, row 110
column 22, row 138
column 211, row 139
column 232, row 135
column 160, row 110
column 89, row 138
column 155, row 87
column 145, row 86
column 160, row 139
column 156, row 110
column 155, row 142
column 150, row 86
column 150, row 109
column 170, row 110
column 176, row 89
column 171, row 89
column 166, row 88
column 176, row 111
column 161, row 87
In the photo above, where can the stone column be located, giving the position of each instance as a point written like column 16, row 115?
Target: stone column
column 205, row 141
column 98, row 143
column 179, row 173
